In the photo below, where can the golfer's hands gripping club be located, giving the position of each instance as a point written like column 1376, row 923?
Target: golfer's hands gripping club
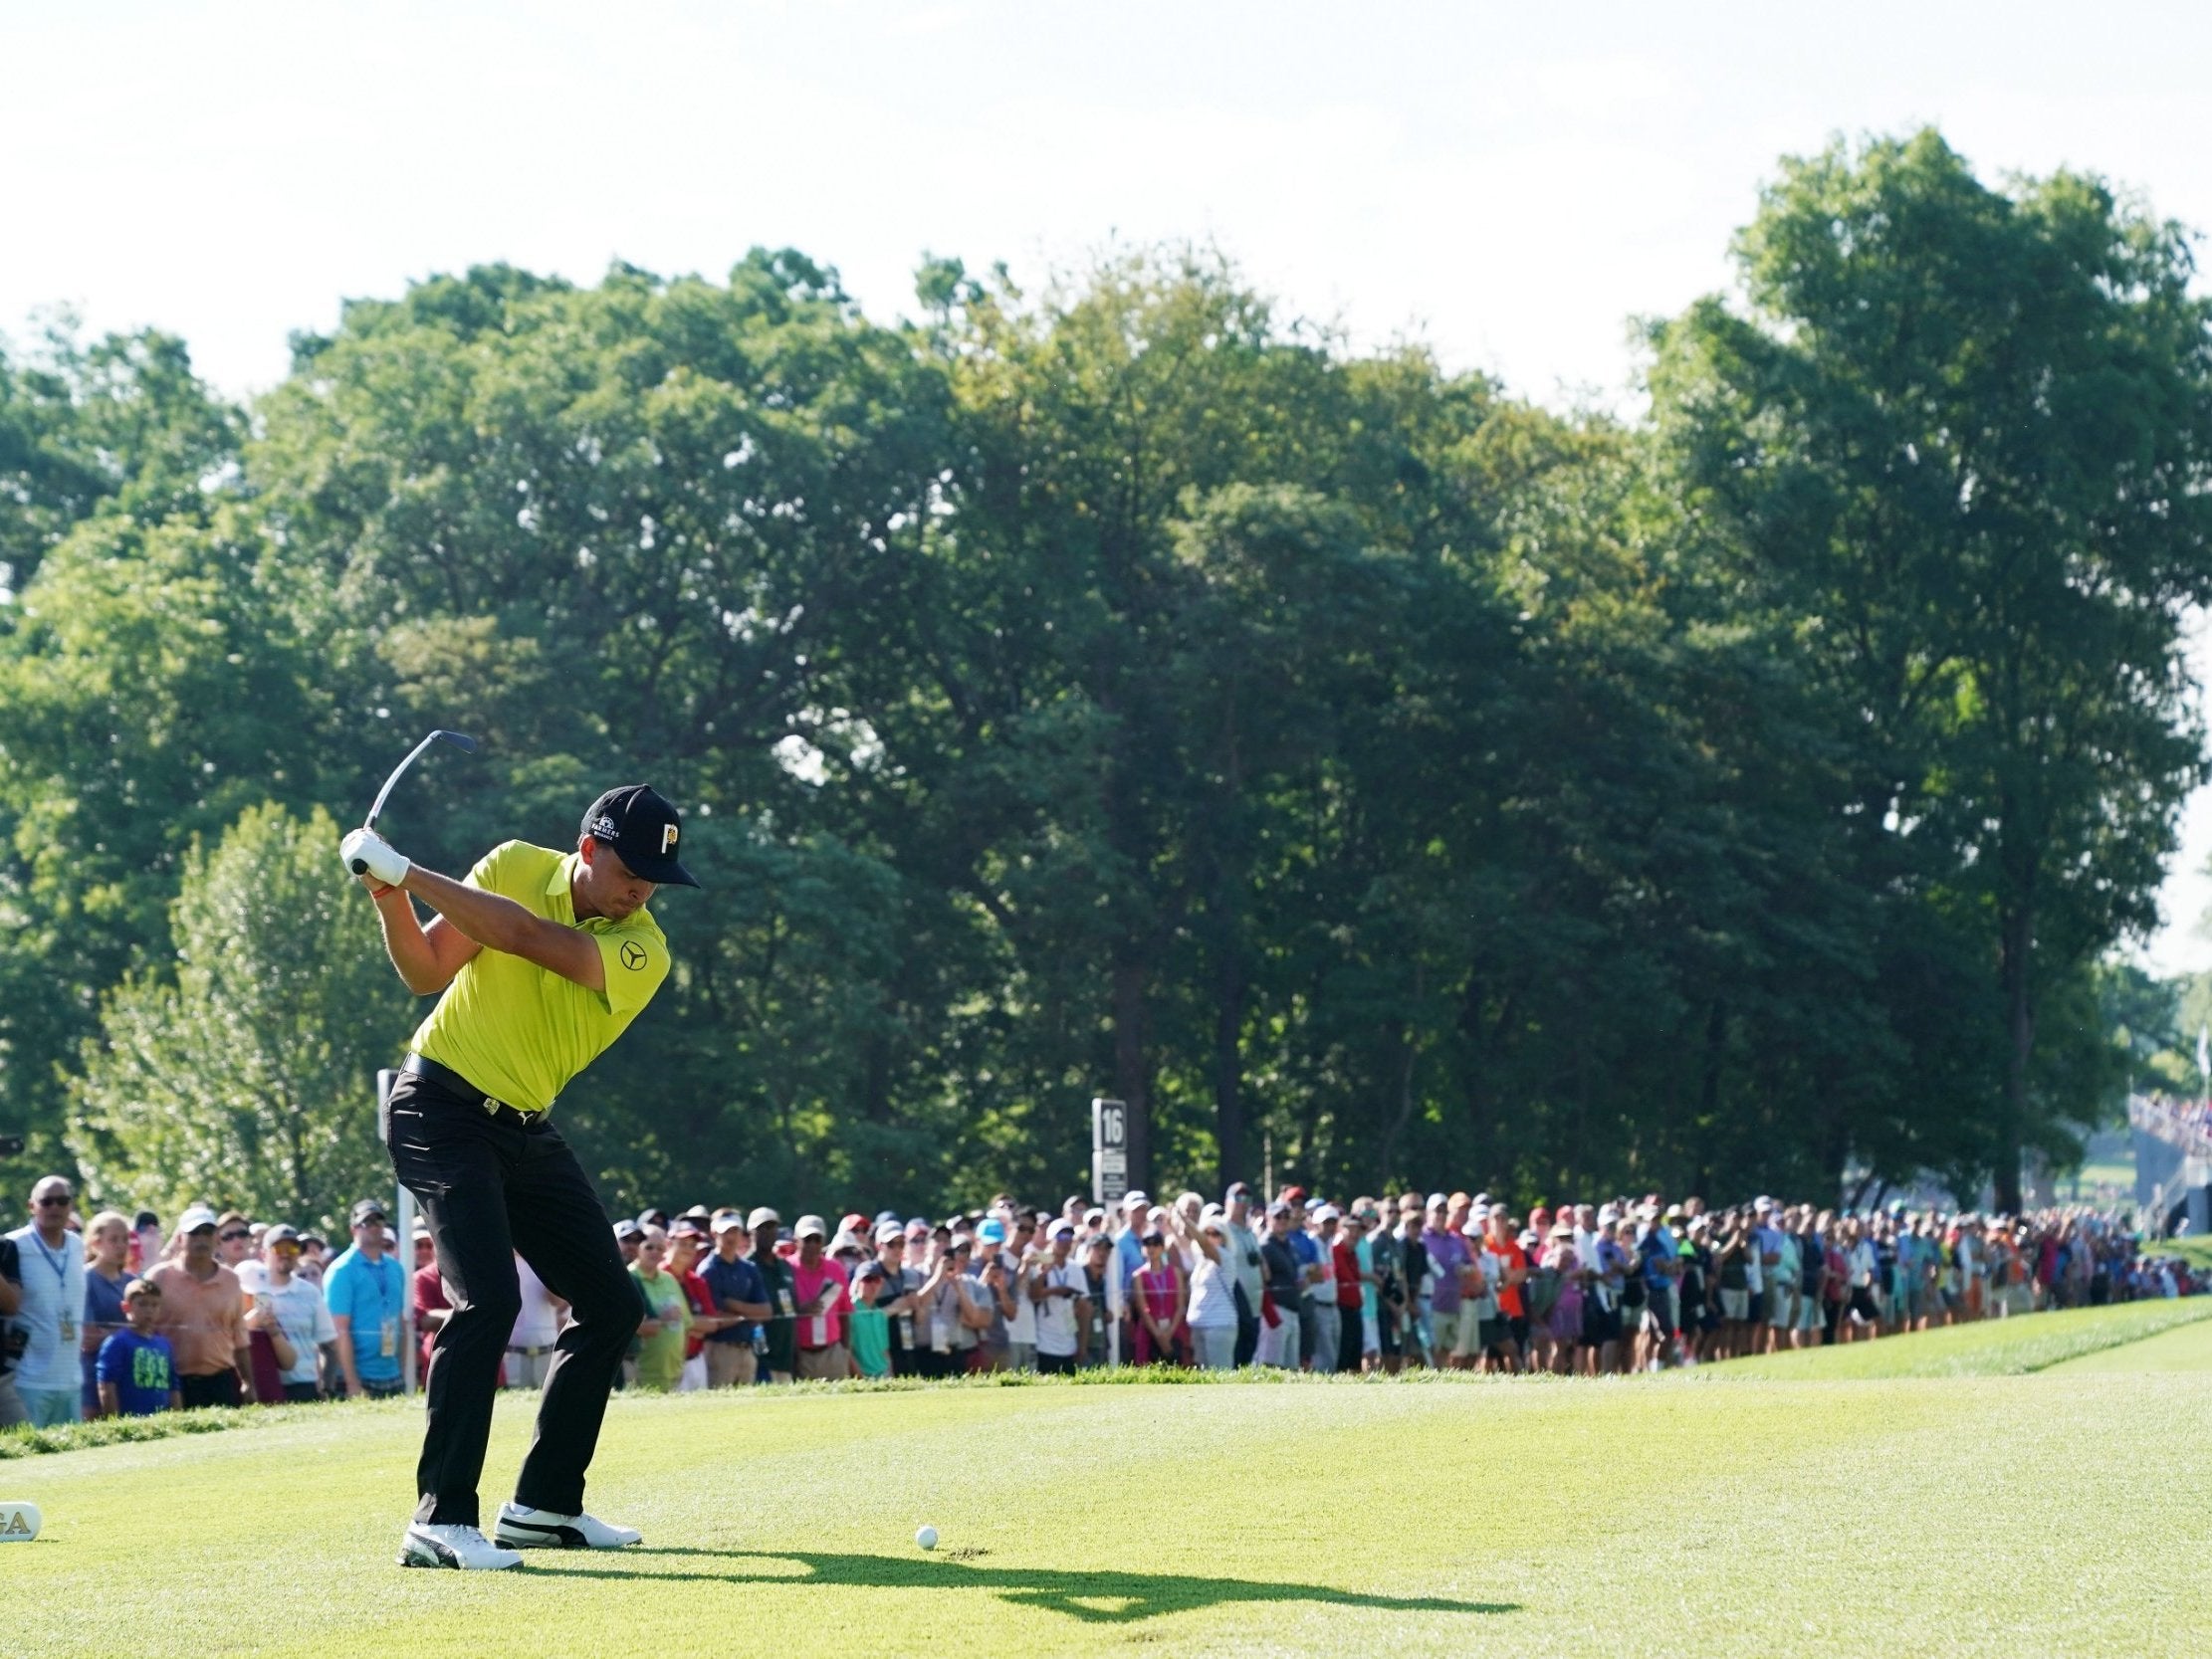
column 365, row 853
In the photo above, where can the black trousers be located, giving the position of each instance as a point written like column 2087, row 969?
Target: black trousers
column 1247, row 1329
column 490, row 1188
column 215, row 1388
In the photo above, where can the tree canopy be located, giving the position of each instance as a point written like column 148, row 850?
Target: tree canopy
column 1128, row 689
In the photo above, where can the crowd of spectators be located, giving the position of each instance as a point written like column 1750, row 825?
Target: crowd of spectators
column 111, row 1316
column 2186, row 1124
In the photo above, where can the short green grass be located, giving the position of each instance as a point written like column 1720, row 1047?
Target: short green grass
column 1988, row 1347
column 1648, row 1515
column 2185, row 1349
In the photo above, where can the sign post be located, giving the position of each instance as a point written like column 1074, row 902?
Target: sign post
column 1109, row 1181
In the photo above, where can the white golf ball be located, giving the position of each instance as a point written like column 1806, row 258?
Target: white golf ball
column 926, row 1537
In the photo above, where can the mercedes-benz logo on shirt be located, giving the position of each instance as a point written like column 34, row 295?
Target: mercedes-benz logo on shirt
column 633, row 954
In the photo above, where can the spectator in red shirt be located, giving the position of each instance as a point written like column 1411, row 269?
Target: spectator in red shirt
column 1350, row 1284
column 432, row 1305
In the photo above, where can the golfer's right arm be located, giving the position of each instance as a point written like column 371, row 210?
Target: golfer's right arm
column 426, row 959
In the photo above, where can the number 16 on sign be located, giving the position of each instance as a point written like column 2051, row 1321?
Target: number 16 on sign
column 1109, row 1150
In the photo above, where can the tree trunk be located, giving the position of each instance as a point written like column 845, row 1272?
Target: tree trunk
column 1228, row 1065
column 1132, row 1072
column 2017, row 932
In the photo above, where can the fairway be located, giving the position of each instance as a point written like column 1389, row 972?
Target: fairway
column 2188, row 1349
column 1648, row 1515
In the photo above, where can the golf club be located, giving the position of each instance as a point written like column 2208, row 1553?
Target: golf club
column 459, row 739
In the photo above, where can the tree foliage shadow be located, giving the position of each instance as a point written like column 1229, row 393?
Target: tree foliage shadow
column 1103, row 1596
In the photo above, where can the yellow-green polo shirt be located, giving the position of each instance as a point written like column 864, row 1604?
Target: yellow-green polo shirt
column 518, row 1031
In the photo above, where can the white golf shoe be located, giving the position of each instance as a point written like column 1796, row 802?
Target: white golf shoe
column 522, row 1527
column 459, row 1546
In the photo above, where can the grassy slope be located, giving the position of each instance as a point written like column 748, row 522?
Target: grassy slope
column 1992, row 1348
column 1644, row 1517
column 2186, row 1349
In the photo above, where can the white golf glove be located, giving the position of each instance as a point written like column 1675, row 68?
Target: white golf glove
column 365, row 852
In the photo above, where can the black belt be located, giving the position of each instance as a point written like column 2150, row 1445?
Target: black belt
column 417, row 1065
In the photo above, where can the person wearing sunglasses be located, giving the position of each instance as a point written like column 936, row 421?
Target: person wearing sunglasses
column 203, row 1315
column 50, row 1312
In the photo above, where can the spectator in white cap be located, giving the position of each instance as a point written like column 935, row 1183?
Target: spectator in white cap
column 1059, row 1289
column 1211, row 1312
column 1323, row 1325
column 820, row 1290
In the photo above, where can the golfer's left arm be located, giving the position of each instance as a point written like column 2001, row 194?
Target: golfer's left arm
column 499, row 923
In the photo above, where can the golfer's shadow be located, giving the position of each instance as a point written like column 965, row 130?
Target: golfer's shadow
column 1106, row 1597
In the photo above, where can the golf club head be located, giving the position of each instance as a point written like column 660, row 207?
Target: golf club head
column 459, row 739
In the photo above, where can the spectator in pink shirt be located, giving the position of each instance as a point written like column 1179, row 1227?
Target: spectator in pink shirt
column 820, row 1291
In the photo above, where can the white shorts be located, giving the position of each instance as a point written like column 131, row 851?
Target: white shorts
column 1735, row 1305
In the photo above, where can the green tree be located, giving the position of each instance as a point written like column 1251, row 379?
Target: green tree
column 1961, row 435
column 250, row 1077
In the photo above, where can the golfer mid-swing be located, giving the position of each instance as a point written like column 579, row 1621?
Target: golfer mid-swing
column 543, row 957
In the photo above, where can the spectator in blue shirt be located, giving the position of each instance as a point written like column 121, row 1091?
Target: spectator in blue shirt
column 137, row 1370
column 738, row 1289
column 367, row 1295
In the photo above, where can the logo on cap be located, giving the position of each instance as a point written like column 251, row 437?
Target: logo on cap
column 633, row 954
column 668, row 839
column 604, row 827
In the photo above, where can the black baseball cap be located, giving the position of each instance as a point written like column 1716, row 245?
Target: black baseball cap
column 368, row 1209
column 642, row 828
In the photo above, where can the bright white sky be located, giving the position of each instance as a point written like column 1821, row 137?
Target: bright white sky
column 1510, row 182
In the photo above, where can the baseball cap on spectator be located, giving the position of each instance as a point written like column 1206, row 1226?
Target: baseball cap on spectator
column 918, row 1228
column 282, row 1233
column 1094, row 1217
column 1214, row 1224
column 762, row 1217
column 368, row 1209
column 728, row 1221
column 886, row 1215
column 992, row 1231
column 1063, row 1228
column 654, row 1217
column 810, row 1226
column 1762, row 1206
column 855, row 1223
column 1292, row 1195
column 869, row 1270
column 422, row 1230
column 627, row 1228
column 697, row 1212
column 688, row 1226
column 1607, row 1215
column 1236, row 1190
column 890, row 1232
column 194, row 1218
column 1438, row 1201
column 1327, row 1212
column 1278, row 1208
